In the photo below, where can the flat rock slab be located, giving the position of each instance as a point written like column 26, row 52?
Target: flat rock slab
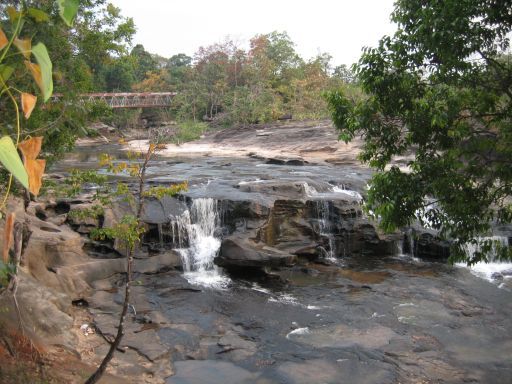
column 342, row 336
column 211, row 372
column 343, row 371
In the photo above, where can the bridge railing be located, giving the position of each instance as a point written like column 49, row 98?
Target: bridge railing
column 128, row 99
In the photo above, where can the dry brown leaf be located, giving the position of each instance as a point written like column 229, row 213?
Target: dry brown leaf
column 9, row 224
column 3, row 39
column 24, row 46
column 35, row 69
column 30, row 148
column 35, row 170
column 28, row 102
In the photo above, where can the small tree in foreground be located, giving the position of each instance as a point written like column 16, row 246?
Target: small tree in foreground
column 129, row 229
column 440, row 87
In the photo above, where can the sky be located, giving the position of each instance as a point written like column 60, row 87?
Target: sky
column 338, row 27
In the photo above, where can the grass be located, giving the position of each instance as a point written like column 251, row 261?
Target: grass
column 189, row 131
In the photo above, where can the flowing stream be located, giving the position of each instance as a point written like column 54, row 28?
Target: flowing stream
column 494, row 268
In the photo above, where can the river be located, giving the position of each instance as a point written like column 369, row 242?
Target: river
column 338, row 317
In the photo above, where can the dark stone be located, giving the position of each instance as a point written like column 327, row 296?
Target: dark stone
column 429, row 246
column 158, row 211
column 236, row 252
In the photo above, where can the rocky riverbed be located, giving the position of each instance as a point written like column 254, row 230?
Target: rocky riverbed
column 265, row 271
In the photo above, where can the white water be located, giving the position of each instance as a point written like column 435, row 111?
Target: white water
column 298, row 331
column 323, row 214
column 197, row 227
column 311, row 191
column 322, row 207
column 486, row 270
column 349, row 192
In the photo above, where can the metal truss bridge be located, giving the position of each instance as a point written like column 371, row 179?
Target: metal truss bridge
column 129, row 100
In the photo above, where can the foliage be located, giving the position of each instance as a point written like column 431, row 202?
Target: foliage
column 11, row 160
column 228, row 85
column 6, row 271
column 93, row 212
column 161, row 191
column 188, row 131
column 28, row 170
column 441, row 87
column 128, row 230
column 75, row 181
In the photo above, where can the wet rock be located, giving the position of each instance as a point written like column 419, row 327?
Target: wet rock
column 217, row 372
column 342, row 336
column 286, row 161
column 238, row 348
column 364, row 239
column 365, row 277
column 343, row 371
column 286, row 228
column 507, row 272
column 237, row 252
column 158, row 211
column 427, row 245
column 310, row 252
column 158, row 263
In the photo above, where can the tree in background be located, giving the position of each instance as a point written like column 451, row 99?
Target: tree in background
column 144, row 62
column 441, row 87
column 228, row 85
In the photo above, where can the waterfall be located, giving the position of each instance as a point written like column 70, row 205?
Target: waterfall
column 494, row 267
column 194, row 234
column 325, row 228
column 406, row 245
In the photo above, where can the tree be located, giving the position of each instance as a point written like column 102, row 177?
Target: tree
column 440, row 87
column 144, row 62
column 344, row 73
column 119, row 75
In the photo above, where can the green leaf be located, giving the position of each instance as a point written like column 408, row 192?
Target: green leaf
column 42, row 58
column 68, row 10
column 38, row 15
column 6, row 72
column 14, row 15
column 11, row 160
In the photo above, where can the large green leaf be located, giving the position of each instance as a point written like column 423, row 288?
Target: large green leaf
column 68, row 10
column 6, row 72
column 11, row 160
column 45, row 64
column 38, row 15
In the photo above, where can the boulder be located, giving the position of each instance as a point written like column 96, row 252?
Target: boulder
column 427, row 245
column 85, row 217
column 238, row 252
column 159, row 211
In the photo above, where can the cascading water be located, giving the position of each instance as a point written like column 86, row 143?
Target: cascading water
column 494, row 267
column 325, row 227
column 194, row 233
column 323, row 209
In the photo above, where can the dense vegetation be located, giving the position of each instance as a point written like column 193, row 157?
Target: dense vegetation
column 441, row 87
column 222, row 83
column 227, row 84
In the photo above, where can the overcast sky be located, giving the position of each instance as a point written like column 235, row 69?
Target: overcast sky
column 338, row 27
